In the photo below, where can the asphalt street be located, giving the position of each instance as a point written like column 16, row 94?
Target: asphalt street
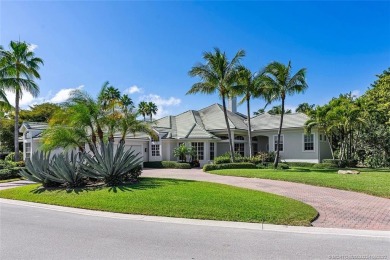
column 37, row 233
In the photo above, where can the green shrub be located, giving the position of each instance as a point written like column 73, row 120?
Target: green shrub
column 167, row 165
column 324, row 166
column 134, row 174
column 11, row 157
column 211, row 167
column 352, row 163
column 221, row 159
column 9, row 173
column 300, row 164
column 283, row 166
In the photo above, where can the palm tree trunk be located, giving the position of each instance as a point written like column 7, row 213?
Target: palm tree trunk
column 249, row 126
column 228, row 128
column 330, row 145
column 279, row 134
column 16, row 126
column 150, row 117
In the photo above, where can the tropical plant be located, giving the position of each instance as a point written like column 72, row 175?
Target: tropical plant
column 259, row 112
column 250, row 85
column 181, row 152
column 38, row 169
column 128, row 123
column 109, row 164
column 217, row 75
column 11, row 156
column 18, row 69
column 143, row 109
column 65, row 168
column 151, row 110
column 305, row 108
column 277, row 110
column 278, row 78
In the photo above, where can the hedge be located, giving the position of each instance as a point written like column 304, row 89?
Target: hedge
column 300, row 164
column 167, row 164
column 9, row 173
column 324, row 166
column 211, row 167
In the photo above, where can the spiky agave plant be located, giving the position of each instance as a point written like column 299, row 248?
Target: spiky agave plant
column 38, row 170
column 65, row 168
column 110, row 165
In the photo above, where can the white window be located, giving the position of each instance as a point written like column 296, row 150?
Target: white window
column 28, row 150
column 155, row 150
column 281, row 143
column 211, row 151
column 239, row 148
column 199, row 150
column 308, row 142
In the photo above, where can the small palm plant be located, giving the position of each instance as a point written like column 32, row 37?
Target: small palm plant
column 181, row 152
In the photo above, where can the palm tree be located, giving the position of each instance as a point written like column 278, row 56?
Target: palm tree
column 250, row 86
column 126, row 103
column 18, row 69
column 217, row 75
column 278, row 78
column 277, row 110
column 129, row 124
column 152, row 109
column 143, row 109
column 259, row 112
column 305, row 108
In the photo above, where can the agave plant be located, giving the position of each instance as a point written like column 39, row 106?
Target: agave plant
column 110, row 165
column 38, row 170
column 65, row 168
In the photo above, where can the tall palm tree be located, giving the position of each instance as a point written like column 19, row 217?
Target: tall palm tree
column 305, row 108
column 143, row 109
column 18, row 69
column 277, row 110
column 250, row 85
column 217, row 75
column 126, row 103
column 278, row 78
column 152, row 109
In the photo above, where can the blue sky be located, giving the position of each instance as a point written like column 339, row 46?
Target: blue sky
column 150, row 46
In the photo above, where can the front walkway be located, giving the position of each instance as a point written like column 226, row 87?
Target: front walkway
column 337, row 208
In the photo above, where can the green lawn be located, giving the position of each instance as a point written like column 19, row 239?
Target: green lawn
column 374, row 182
column 177, row 198
column 9, row 180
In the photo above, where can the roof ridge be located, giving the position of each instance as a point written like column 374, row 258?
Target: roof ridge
column 189, row 132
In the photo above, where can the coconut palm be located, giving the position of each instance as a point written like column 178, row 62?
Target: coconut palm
column 217, row 75
column 18, row 69
column 278, row 78
column 250, row 85
column 152, row 109
column 126, row 103
column 277, row 110
column 305, row 108
column 129, row 124
column 143, row 109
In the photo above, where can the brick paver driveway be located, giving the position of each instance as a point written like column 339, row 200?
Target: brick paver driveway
column 336, row 208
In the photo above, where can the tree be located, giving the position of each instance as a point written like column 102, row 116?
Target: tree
column 259, row 112
column 305, row 108
column 249, row 86
column 217, row 75
column 151, row 109
column 277, row 110
column 278, row 78
column 143, row 109
column 18, row 69
column 39, row 113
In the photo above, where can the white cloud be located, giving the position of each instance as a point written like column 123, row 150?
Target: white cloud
column 133, row 89
column 162, row 103
column 28, row 100
column 63, row 94
column 32, row 47
column 355, row 93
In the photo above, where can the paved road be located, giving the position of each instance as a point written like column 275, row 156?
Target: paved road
column 37, row 233
column 337, row 208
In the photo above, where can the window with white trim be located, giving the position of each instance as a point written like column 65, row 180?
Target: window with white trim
column 239, row 148
column 281, row 143
column 212, row 151
column 308, row 142
column 28, row 150
column 239, row 137
column 199, row 150
column 155, row 150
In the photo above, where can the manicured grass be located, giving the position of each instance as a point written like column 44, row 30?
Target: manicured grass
column 177, row 198
column 374, row 182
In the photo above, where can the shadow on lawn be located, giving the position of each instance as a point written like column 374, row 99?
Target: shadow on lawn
column 142, row 184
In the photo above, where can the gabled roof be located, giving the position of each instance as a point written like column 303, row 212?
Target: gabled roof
column 266, row 121
column 33, row 126
column 213, row 118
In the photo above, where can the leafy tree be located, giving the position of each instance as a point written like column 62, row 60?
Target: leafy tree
column 151, row 109
column 18, row 69
column 277, row 110
column 249, row 86
column 217, row 75
column 305, row 108
column 39, row 113
column 7, row 135
column 143, row 109
column 278, row 78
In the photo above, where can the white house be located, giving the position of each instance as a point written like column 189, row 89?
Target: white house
column 205, row 130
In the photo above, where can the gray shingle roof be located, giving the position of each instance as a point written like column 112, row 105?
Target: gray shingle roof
column 35, row 125
column 213, row 118
column 266, row 121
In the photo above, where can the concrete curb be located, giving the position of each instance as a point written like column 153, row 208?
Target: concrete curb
column 198, row 222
